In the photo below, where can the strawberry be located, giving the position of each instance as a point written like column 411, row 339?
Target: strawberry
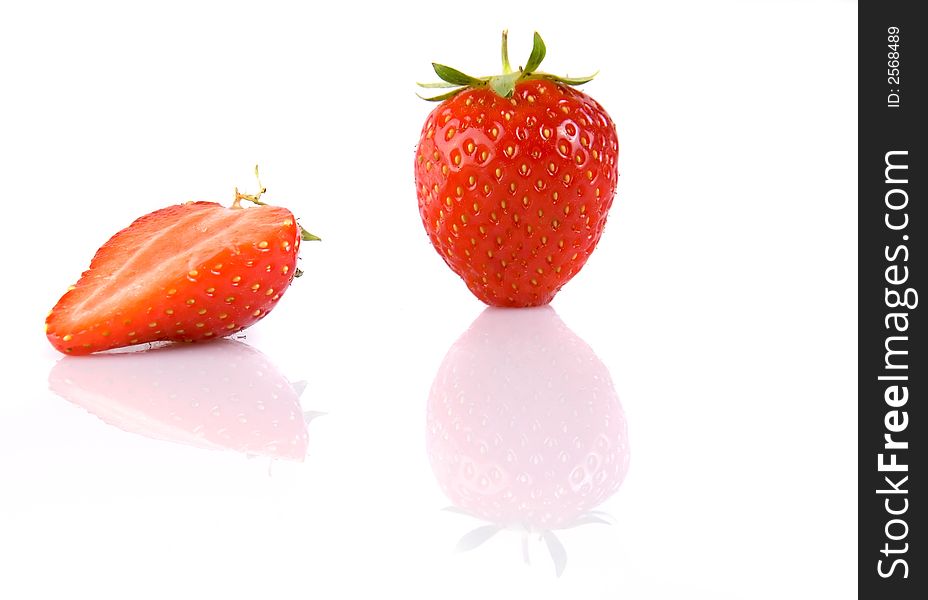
column 524, row 427
column 515, row 175
column 227, row 396
column 185, row 273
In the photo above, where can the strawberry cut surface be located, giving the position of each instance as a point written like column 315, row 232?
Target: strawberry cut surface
column 185, row 273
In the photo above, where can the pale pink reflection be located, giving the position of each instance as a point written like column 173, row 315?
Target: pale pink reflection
column 525, row 430
column 221, row 395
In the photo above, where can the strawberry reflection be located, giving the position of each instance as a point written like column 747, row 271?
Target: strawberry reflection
column 525, row 430
column 222, row 395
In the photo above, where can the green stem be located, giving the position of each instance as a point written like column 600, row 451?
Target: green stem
column 507, row 68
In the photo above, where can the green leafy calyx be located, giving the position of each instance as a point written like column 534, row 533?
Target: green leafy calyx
column 503, row 84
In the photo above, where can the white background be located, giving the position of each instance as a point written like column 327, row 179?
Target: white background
column 722, row 298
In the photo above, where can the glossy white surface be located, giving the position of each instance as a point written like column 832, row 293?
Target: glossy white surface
column 714, row 329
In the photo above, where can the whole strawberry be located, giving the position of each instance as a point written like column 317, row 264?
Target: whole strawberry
column 186, row 273
column 515, row 175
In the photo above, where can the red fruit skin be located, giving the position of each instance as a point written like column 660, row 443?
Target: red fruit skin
column 524, row 427
column 219, row 271
column 514, row 193
column 225, row 397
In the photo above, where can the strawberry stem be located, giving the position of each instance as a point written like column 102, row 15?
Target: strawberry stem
column 256, row 198
column 507, row 68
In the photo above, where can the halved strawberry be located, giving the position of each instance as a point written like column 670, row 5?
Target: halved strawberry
column 228, row 396
column 185, row 273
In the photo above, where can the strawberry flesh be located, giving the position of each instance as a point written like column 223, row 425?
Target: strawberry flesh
column 185, row 273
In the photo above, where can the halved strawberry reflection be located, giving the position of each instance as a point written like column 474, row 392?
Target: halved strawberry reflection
column 226, row 395
column 524, row 428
